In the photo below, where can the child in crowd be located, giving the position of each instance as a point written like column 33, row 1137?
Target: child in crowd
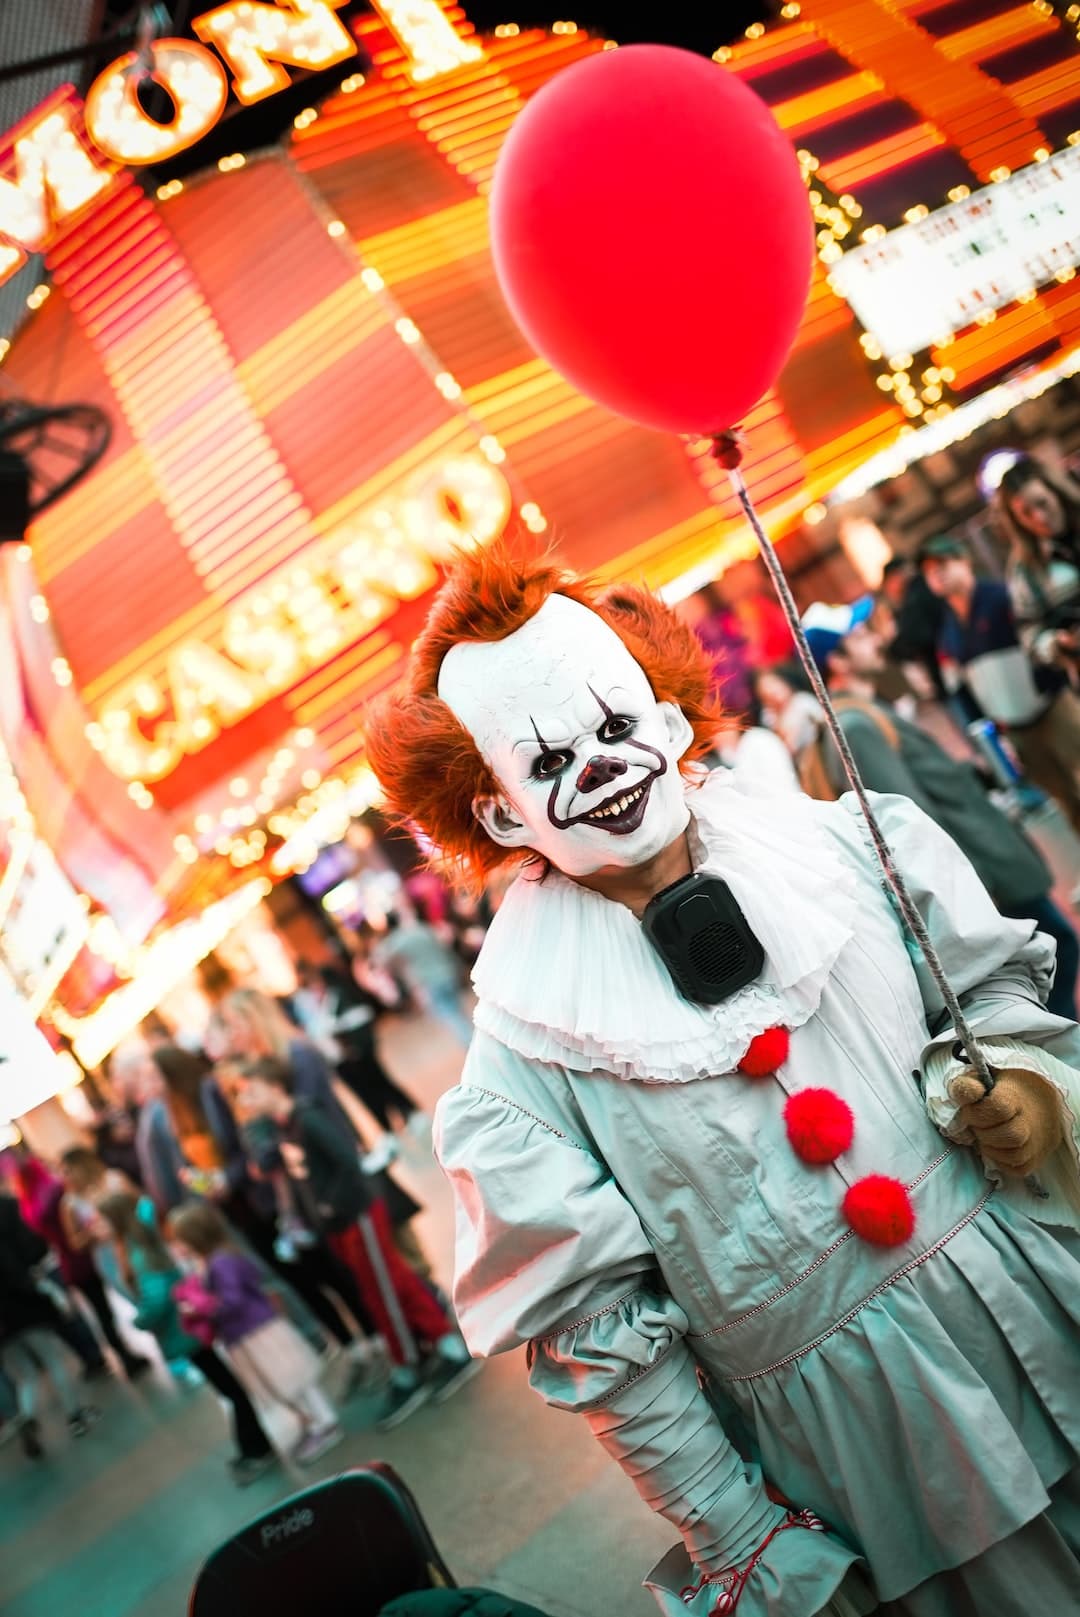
column 153, row 1274
column 150, row 1272
column 86, row 1245
column 29, row 1343
column 336, row 1199
column 268, row 1354
column 258, row 1137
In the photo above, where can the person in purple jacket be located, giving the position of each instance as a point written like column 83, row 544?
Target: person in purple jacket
column 268, row 1354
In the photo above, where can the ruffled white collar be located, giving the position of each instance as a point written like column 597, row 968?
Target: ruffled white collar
column 568, row 976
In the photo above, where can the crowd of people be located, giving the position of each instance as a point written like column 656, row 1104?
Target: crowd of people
column 937, row 653
column 235, row 1195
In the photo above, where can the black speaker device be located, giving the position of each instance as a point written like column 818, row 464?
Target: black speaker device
column 703, row 938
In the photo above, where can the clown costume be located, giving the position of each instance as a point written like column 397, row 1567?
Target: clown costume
column 778, row 1250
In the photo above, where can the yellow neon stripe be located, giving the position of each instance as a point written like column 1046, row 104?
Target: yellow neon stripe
column 310, row 711
column 573, row 405
column 803, row 112
column 519, row 403
column 88, row 514
column 350, row 309
column 853, row 444
column 481, row 393
column 428, row 243
column 364, row 648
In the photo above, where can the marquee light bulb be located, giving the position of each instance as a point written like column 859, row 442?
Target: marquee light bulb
column 117, row 123
column 255, row 39
column 430, row 42
column 51, row 165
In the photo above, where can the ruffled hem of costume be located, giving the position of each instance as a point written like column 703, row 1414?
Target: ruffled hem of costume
column 800, row 1572
column 567, row 976
column 973, row 1342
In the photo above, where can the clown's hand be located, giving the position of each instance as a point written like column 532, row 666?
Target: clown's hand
column 1017, row 1126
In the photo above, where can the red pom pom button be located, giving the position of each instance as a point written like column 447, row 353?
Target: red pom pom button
column 819, row 1124
column 879, row 1209
column 766, row 1053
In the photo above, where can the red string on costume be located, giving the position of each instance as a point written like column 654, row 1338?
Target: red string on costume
column 733, row 1580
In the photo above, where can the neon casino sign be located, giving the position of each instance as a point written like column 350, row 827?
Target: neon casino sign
column 300, row 617
column 50, row 171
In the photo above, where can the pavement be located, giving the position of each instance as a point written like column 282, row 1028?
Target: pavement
column 519, row 1497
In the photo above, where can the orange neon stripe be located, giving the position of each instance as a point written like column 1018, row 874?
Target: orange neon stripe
column 884, row 155
column 113, row 295
column 125, row 249
column 1052, row 88
column 168, row 330
column 852, row 447
column 439, row 236
column 245, row 510
column 87, row 515
column 985, row 39
column 132, row 299
column 465, row 137
column 570, row 407
column 195, row 431
column 791, row 39
column 459, row 114
column 270, row 547
column 315, row 683
column 237, row 487
column 266, row 549
column 310, row 711
column 71, row 253
column 949, row 94
column 215, row 504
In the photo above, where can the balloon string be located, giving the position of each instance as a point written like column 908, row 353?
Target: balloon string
column 728, row 452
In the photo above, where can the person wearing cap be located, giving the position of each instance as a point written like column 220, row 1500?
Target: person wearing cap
column 979, row 643
column 894, row 755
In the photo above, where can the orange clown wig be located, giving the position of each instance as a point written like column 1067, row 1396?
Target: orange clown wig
column 427, row 761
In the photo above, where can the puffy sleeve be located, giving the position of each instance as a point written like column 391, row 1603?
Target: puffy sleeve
column 1002, row 971
column 551, row 1255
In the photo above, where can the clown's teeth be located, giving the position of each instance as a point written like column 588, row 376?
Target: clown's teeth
column 614, row 809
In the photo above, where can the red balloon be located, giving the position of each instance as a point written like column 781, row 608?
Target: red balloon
column 652, row 236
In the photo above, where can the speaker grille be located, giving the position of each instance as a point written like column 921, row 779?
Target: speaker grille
column 716, row 951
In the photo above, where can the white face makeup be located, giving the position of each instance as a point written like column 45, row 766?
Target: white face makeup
column 587, row 759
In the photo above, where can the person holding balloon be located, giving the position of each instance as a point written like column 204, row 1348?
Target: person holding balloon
column 772, row 1164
